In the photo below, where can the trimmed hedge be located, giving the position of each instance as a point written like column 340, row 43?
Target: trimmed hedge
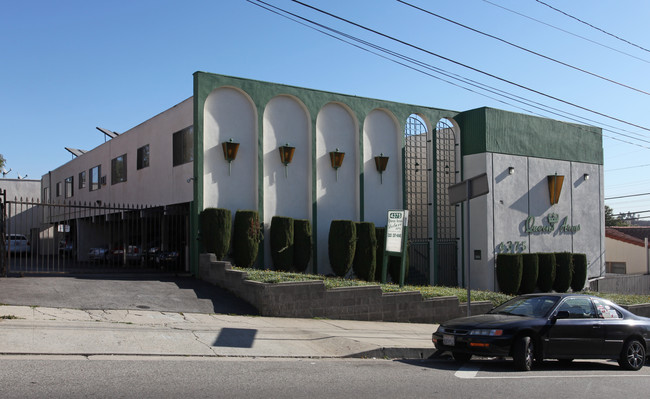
column 509, row 271
column 529, row 274
column 546, row 276
column 365, row 255
column 215, row 225
column 302, row 244
column 282, row 243
column 380, row 234
column 563, row 271
column 579, row 272
column 342, row 245
column 246, row 238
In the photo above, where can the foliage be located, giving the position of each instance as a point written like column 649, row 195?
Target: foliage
column 563, row 271
column 365, row 255
column 611, row 220
column 302, row 244
column 509, row 271
column 246, row 238
column 282, row 243
column 546, row 276
column 342, row 245
column 3, row 161
column 579, row 272
column 530, row 272
column 215, row 227
column 380, row 234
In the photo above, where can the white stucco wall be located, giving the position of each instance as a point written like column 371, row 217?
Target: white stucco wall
column 230, row 113
column 337, row 199
column 633, row 256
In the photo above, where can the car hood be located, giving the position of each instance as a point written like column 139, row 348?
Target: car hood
column 485, row 321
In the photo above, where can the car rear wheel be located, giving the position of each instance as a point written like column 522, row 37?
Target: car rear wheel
column 632, row 355
column 523, row 353
column 461, row 357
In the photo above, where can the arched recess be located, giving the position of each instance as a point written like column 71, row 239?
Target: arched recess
column 336, row 193
column 448, row 221
column 287, row 191
column 229, row 113
column 381, row 136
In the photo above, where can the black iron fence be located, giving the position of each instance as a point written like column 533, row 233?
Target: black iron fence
column 40, row 237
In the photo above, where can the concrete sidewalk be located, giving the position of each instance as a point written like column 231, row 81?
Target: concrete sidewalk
column 57, row 331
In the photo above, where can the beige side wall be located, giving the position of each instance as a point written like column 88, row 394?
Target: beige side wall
column 632, row 255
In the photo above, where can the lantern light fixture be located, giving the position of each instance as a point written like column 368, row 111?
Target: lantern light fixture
column 230, row 149
column 336, row 159
column 380, row 163
column 286, row 155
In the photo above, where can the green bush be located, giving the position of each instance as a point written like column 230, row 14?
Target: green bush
column 365, row 255
column 342, row 245
column 546, row 276
column 579, row 272
column 529, row 274
column 215, row 225
column 282, row 243
column 302, row 244
column 380, row 234
column 509, row 271
column 563, row 271
column 246, row 238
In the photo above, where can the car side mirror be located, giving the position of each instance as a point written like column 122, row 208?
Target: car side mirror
column 562, row 314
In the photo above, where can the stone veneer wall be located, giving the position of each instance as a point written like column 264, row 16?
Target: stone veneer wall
column 311, row 299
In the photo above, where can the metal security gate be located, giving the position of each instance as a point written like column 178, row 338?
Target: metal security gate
column 446, row 175
column 81, row 237
column 417, row 177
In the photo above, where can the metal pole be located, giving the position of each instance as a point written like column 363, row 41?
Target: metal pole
column 469, row 250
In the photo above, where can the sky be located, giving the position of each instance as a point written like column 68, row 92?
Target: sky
column 67, row 66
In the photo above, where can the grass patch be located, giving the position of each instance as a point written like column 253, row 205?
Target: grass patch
column 497, row 298
column 9, row 317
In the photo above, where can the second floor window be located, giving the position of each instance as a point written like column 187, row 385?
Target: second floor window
column 118, row 169
column 94, row 177
column 143, row 157
column 69, row 189
column 82, row 180
column 183, row 146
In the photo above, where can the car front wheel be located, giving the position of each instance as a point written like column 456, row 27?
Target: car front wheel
column 523, row 353
column 632, row 355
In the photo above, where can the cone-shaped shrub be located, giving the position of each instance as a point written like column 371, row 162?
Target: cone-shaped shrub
column 529, row 274
column 509, row 271
column 341, row 246
column 246, row 238
column 380, row 234
column 282, row 243
column 579, row 272
column 546, row 276
column 365, row 255
column 563, row 271
column 215, row 227
column 302, row 244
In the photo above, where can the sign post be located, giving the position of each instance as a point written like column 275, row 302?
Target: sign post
column 395, row 242
column 464, row 191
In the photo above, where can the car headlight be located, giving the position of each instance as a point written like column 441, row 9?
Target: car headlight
column 485, row 332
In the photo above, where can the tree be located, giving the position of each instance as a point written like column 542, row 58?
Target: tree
column 2, row 161
column 611, row 220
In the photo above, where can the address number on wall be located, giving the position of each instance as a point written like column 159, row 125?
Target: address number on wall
column 511, row 247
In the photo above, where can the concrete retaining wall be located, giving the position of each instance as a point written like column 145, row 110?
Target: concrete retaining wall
column 311, row 299
column 638, row 284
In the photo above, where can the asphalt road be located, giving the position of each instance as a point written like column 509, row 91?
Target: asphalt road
column 110, row 377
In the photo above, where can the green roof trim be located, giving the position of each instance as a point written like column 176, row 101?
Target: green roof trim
column 497, row 131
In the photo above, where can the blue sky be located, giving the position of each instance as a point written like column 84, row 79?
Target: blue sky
column 69, row 66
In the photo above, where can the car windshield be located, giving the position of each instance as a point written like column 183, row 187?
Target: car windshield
column 536, row 306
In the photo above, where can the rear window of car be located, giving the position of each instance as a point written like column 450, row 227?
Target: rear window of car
column 606, row 311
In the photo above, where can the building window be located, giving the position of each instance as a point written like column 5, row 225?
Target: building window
column 69, row 187
column 183, row 146
column 118, row 169
column 58, row 189
column 94, row 177
column 615, row 267
column 82, row 180
column 46, row 194
column 143, row 157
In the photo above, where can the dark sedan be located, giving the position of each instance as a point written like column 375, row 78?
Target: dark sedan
column 535, row 327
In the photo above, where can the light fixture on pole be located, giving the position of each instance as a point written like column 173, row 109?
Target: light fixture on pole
column 380, row 163
column 286, row 155
column 336, row 159
column 230, row 149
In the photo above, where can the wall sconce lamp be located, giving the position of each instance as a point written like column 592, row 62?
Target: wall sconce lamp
column 586, row 176
column 554, row 187
column 286, row 155
column 230, row 149
column 336, row 159
column 511, row 170
column 380, row 163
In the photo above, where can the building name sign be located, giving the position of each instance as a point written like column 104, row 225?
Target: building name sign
column 552, row 220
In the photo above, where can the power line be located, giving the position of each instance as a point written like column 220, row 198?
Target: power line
column 629, row 167
column 566, row 31
column 593, row 26
column 523, row 48
column 470, row 67
column 627, row 196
